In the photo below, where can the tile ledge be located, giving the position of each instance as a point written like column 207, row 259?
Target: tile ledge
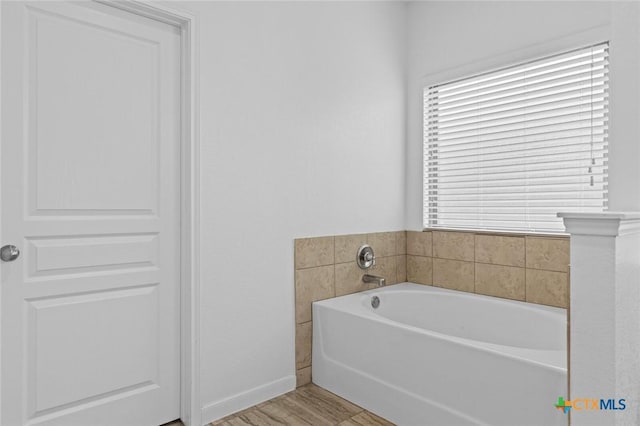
column 602, row 215
column 610, row 224
column 500, row 233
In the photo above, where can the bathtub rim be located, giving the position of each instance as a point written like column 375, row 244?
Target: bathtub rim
column 516, row 353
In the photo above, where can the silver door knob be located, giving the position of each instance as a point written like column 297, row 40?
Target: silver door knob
column 9, row 253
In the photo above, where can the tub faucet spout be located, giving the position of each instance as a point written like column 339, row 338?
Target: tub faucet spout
column 373, row 279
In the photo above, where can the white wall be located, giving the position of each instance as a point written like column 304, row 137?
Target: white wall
column 454, row 39
column 304, row 108
column 302, row 134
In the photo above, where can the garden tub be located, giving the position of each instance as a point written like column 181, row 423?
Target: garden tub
column 430, row 356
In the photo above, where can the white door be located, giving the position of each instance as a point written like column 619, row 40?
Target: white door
column 89, row 169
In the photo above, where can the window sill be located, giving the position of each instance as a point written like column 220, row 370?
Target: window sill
column 501, row 232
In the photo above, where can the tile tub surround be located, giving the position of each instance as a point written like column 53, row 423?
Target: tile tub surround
column 530, row 268
column 325, row 267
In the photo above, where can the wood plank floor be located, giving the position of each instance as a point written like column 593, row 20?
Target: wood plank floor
column 307, row 405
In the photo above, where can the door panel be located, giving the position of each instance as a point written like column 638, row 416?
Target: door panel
column 89, row 170
column 62, row 51
column 123, row 345
column 51, row 256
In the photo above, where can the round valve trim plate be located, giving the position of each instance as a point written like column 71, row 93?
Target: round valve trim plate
column 365, row 257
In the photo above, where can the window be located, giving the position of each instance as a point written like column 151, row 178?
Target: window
column 510, row 149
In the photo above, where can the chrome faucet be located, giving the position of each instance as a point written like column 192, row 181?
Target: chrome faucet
column 373, row 279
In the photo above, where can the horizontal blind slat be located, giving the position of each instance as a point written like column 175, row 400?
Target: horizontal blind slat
column 576, row 128
column 523, row 154
column 558, row 60
column 512, row 102
column 583, row 83
column 563, row 107
column 598, row 139
column 526, row 126
column 524, row 85
column 582, row 63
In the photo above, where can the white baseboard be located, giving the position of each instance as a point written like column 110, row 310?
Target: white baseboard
column 219, row 409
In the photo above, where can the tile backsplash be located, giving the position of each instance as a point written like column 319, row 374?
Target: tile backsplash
column 529, row 268
column 326, row 267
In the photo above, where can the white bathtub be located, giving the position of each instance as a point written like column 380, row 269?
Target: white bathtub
column 429, row 356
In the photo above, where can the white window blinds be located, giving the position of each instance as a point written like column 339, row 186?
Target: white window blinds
column 512, row 148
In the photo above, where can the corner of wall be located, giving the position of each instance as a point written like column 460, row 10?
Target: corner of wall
column 249, row 398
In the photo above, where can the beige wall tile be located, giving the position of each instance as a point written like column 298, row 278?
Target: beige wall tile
column 401, row 268
column 313, row 284
column 349, row 279
column 547, row 287
column 303, row 376
column 453, row 245
column 500, row 281
column 551, row 254
column 303, row 345
column 401, row 242
column 385, row 267
column 453, row 274
column 310, row 252
column 383, row 243
column 419, row 243
column 500, row 250
column 419, row 269
column 347, row 247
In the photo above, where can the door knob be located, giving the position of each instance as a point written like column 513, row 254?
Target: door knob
column 9, row 253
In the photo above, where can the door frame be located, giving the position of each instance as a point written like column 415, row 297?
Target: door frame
column 190, row 410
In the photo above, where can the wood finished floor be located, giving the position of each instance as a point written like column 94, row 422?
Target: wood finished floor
column 307, row 405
